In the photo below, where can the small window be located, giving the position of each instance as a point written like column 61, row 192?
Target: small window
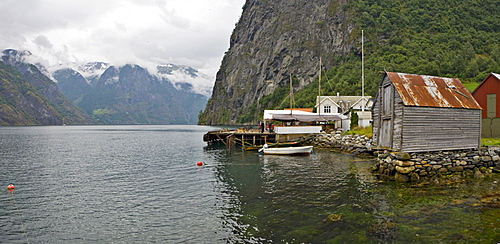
column 327, row 109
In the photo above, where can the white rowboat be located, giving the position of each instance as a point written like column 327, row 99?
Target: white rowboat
column 287, row 150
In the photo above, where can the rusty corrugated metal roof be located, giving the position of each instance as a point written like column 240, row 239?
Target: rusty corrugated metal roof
column 432, row 91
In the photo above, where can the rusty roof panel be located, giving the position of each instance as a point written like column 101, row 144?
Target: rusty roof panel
column 432, row 91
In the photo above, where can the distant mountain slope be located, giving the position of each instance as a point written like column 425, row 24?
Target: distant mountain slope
column 131, row 95
column 72, row 84
column 27, row 97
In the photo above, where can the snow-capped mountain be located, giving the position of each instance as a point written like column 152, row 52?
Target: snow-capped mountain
column 127, row 94
column 92, row 70
column 184, row 77
column 130, row 94
column 12, row 56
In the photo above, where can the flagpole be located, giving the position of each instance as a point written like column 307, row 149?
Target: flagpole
column 362, row 71
column 319, row 88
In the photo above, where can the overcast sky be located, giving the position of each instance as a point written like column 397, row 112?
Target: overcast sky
column 185, row 32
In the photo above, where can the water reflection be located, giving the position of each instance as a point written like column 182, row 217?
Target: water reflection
column 330, row 197
column 135, row 184
column 290, row 199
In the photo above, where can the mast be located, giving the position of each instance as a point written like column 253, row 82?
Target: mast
column 362, row 72
column 319, row 88
column 291, row 94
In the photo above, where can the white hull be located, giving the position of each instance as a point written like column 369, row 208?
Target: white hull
column 288, row 150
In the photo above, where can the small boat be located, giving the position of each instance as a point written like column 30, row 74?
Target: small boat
column 276, row 144
column 286, row 150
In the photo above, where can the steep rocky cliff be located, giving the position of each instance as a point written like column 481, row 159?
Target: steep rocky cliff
column 273, row 41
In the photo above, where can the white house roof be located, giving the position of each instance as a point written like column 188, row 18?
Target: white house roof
column 268, row 114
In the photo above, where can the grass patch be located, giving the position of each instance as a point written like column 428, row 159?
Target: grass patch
column 367, row 131
column 471, row 86
column 490, row 141
column 102, row 111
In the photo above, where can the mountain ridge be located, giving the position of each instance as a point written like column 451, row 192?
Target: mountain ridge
column 127, row 94
column 28, row 97
column 130, row 94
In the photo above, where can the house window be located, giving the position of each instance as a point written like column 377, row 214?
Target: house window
column 327, row 109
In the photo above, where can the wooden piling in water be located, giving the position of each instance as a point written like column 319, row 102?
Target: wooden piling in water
column 244, row 138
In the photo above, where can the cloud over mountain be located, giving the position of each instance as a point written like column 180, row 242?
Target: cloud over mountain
column 190, row 32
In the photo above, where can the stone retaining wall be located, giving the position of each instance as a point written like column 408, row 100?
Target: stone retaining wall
column 406, row 167
column 346, row 143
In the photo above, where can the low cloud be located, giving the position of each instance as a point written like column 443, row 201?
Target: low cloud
column 186, row 32
column 43, row 42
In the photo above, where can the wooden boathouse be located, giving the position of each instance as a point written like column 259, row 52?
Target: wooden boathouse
column 418, row 113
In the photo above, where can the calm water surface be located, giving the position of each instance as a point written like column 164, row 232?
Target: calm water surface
column 140, row 184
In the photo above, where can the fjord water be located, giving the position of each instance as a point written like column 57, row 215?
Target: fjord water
column 141, row 184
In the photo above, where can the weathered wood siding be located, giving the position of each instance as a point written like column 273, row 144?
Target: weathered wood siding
column 387, row 116
column 376, row 121
column 376, row 116
column 397, row 141
column 436, row 129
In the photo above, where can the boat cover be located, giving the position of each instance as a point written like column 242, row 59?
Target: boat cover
column 308, row 117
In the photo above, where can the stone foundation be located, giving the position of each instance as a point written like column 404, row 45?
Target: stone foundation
column 404, row 167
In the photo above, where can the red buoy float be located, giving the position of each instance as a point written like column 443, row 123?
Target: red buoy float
column 10, row 187
column 199, row 163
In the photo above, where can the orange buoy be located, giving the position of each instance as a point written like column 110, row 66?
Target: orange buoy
column 199, row 163
column 10, row 187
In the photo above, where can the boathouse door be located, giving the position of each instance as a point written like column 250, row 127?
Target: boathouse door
column 387, row 116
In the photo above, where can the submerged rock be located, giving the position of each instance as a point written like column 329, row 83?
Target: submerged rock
column 333, row 218
column 491, row 199
column 478, row 175
column 401, row 177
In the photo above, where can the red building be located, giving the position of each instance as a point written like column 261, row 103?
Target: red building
column 487, row 94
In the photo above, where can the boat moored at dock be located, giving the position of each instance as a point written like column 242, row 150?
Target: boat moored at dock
column 301, row 150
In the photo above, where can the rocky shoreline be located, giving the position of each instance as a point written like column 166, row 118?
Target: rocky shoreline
column 359, row 144
column 414, row 167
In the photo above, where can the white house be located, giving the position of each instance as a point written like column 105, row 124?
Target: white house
column 343, row 105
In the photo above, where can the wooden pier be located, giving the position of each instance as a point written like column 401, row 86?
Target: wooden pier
column 245, row 138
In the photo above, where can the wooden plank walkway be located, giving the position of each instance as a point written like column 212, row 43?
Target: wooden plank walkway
column 240, row 137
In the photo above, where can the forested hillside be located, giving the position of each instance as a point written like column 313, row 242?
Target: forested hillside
column 30, row 99
column 433, row 37
column 458, row 39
